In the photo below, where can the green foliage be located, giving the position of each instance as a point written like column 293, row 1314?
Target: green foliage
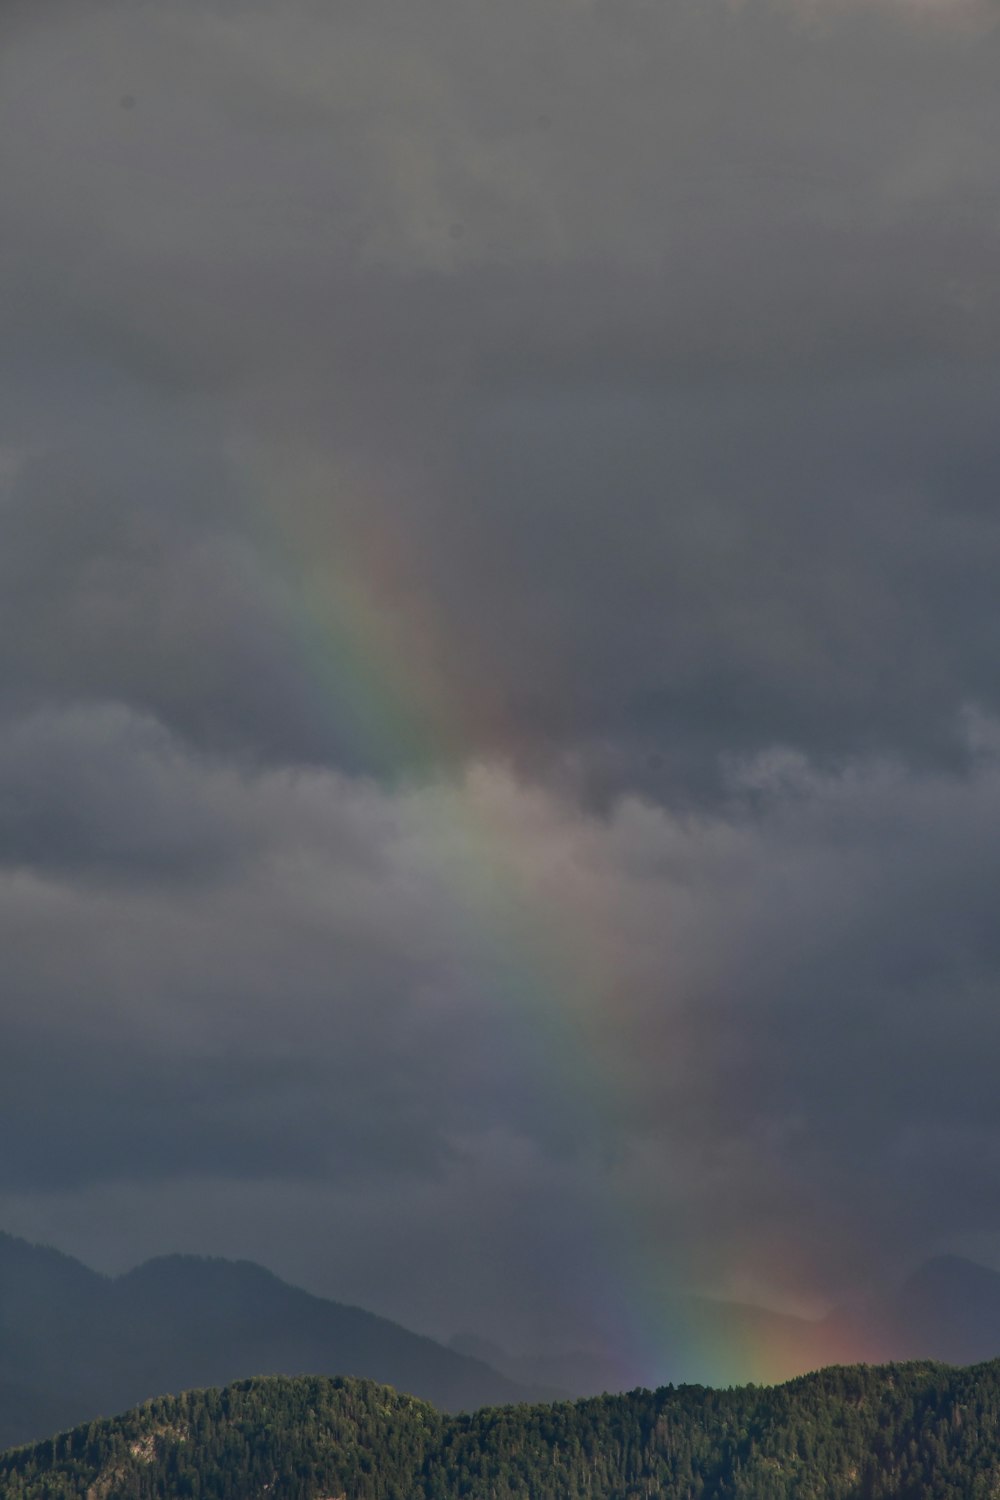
column 903, row 1432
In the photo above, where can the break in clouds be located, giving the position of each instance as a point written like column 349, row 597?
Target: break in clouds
column 499, row 756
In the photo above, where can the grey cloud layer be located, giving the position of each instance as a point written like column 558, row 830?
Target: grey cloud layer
column 637, row 367
column 663, row 340
column 759, row 1018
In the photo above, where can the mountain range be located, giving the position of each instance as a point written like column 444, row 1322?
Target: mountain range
column 947, row 1309
column 75, row 1344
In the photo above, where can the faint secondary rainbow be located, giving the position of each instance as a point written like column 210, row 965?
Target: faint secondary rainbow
column 377, row 652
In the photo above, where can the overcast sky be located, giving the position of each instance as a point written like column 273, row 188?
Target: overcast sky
column 500, row 645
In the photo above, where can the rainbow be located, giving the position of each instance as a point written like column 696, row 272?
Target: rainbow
column 378, row 652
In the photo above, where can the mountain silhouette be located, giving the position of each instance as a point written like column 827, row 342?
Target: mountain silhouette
column 75, row 1345
column 948, row 1309
column 951, row 1306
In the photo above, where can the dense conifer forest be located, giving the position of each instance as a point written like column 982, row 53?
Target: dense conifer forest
column 915, row 1431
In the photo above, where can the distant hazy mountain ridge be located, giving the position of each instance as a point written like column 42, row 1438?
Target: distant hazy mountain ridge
column 76, row 1345
column 948, row 1309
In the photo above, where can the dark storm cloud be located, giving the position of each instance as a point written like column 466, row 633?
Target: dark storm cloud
column 126, row 577
column 840, row 1037
column 98, row 791
column 686, row 435
column 637, row 365
column 211, row 973
column 772, row 1016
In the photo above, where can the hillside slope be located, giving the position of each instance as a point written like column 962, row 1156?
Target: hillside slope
column 915, row 1432
column 76, row 1345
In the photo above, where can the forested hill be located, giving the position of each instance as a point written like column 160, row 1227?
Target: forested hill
column 849, row 1433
